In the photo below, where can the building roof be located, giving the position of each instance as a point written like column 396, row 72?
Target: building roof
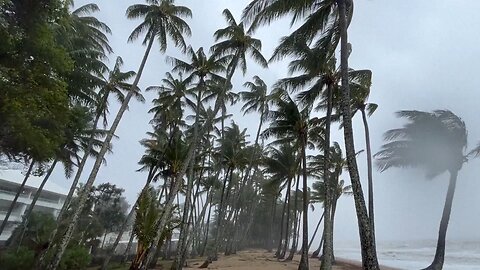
column 16, row 176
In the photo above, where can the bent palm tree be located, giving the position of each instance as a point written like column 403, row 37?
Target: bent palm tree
column 435, row 141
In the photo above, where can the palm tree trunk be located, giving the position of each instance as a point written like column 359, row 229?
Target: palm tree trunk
column 81, row 165
column 271, row 241
column 20, row 189
column 125, row 223
column 327, row 206
column 317, row 251
column 184, row 229
column 369, row 254
column 128, row 247
column 29, row 211
column 279, row 245
column 207, row 228
column 369, row 172
column 304, row 259
column 287, row 229
column 98, row 162
column 315, row 232
column 293, row 248
column 334, row 210
column 439, row 258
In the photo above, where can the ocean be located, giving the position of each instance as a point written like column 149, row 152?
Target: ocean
column 459, row 255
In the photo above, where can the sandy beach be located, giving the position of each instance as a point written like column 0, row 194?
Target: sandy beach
column 263, row 260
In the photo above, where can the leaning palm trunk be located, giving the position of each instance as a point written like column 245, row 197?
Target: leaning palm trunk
column 369, row 254
column 315, row 232
column 439, row 258
column 20, row 189
column 317, row 251
column 287, row 229
column 327, row 224
column 293, row 249
column 98, row 162
column 369, row 173
column 184, row 230
column 29, row 211
column 304, row 259
column 81, row 165
column 279, row 245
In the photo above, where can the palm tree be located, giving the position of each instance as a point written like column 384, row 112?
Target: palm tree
column 367, row 239
column 360, row 82
column 290, row 124
column 147, row 213
column 162, row 19
column 435, row 141
column 256, row 100
column 235, row 44
column 116, row 84
column 335, row 166
column 319, row 76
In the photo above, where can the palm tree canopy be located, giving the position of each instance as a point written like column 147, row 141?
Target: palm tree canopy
column 257, row 98
column 434, row 141
column 162, row 19
column 236, row 43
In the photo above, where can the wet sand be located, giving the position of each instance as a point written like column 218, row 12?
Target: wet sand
column 263, row 260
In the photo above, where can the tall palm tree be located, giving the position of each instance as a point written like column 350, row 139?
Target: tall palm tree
column 360, row 82
column 319, row 76
column 116, row 84
column 367, row 239
column 435, row 141
column 335, row 166
column 291, row 124
column 162, row 19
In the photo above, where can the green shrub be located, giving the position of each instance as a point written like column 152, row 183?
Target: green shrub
column 19, row 260
column 75, row 257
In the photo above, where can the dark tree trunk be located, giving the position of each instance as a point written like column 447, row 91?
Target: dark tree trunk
column 20, row 189
column 29, row 211
column 271, row 241
column 315, row 232
column 303, row 265
column 316, row 252
column 327, row 205
column 439, row 258
column 369, row 172
column 293, row 248
column 282, row 223
column 287, row 229
column 369, row 253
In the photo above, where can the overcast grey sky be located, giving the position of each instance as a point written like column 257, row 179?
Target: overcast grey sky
column 423, row 56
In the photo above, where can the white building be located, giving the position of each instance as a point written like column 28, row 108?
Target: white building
column 51, row 198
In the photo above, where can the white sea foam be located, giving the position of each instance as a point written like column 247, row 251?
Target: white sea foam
column 460, row 255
